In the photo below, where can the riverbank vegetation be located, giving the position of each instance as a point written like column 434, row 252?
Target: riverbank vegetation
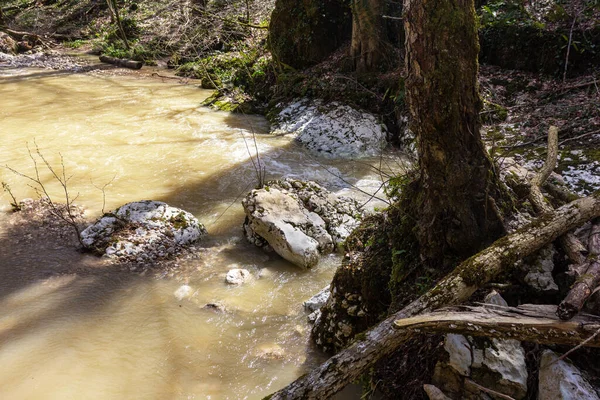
column 489, row 98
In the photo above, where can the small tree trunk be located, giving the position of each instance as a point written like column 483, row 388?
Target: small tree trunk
column 368, row 36
column 114, row 9
column 459, row 190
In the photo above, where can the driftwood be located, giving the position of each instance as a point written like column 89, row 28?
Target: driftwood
column 587, row 282
column 120, row 62
column 349, row 364
column 529, row 323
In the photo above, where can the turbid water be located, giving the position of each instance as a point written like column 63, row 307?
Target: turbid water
column 72, row 327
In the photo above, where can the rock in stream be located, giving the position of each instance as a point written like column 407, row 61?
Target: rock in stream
column 299, row 220
column 142, row 231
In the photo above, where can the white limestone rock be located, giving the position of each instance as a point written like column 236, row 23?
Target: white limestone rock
column 562, row 381
column 142, row 231
column 332, row 130
column 237, row 276
column 298, row 220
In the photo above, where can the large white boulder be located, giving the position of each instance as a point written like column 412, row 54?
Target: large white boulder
column 331, row 130
column 142, row 231
column 298, row 220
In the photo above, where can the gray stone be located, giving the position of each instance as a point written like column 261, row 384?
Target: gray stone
column 459, row 349
column 539, row 272
column 562, row 381
column 434, row 393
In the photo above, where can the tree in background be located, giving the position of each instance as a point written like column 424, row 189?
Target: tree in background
column 114, row 11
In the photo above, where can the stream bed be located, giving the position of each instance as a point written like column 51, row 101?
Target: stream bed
column 72, row 326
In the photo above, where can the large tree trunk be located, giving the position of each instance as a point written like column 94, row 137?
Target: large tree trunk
column 459, row 190
column 368, row 35
column 349, row 364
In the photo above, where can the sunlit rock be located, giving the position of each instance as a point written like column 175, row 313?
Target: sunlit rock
column 331, row 130
column 559, row 380
column 314, row 304
column 142, row 232
column 237, row 276
column 299, row 220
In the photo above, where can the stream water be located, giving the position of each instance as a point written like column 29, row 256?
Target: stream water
column 73, row 328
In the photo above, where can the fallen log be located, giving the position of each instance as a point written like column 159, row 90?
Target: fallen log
column 528, row 323
column 121, row 62
column 349, row 364
column 587, row 281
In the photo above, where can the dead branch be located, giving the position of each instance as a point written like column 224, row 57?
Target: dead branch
column 587, row 282
column 580, row 136
column 348, row 365
column 570, row 244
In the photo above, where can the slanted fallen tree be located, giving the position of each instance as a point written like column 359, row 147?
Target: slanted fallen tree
column 349, row 364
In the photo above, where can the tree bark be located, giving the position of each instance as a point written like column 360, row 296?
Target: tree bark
column 459, row 190
column 349, row 364
column 368, row 35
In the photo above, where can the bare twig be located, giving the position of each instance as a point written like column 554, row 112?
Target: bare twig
column 103, row 190
column 489, row 391
column 66, row 215
column 569, row 48
column 580, row 345
column 579, row 137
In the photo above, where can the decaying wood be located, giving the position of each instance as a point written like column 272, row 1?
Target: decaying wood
column 349, row 364
column 570, row 244
column 587, row 282
column 22, row 35
column 529, row 323
column 120, row 62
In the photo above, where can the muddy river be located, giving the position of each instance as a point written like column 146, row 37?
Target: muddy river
column 73, row 328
